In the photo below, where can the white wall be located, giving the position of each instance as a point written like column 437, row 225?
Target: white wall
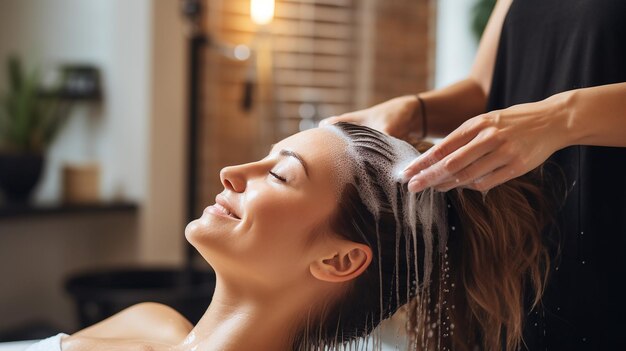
column 115, row 36
column 456, row 45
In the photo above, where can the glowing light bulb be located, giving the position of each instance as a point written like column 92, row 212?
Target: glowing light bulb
column 262, row 11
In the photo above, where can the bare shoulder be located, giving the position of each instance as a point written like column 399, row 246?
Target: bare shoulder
column 145, row 321
column 159, row 313
column 76, row 343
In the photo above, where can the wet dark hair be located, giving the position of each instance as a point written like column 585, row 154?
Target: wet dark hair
column 391, row 279
column 499, row 253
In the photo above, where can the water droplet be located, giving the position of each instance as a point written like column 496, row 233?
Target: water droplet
column 452, row 326
column 430, row 333
column 484, row 194
column 557, row 268
column 581, row 233
column 558, row 308
column 449, row 206
column 452, row 285
column 536, row 324
column 584, row 339
column 453, row 228
column 583, row 262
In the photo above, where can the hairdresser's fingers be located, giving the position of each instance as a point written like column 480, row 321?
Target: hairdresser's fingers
column 328, row 120
column 455, row 140
column 352, row 117
column 455, row 164
column 446, row 169
column 476, row 170
column 493, row 179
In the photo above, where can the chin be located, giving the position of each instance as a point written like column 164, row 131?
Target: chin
column 195, row 230
column 189, row 229
column 207, row 234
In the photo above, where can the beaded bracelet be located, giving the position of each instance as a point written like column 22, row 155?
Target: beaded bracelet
column 423, row 111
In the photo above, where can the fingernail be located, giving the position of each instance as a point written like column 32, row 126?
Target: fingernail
column 405, row 176
column 416, row 185
column 407, row 167
column 326, row 121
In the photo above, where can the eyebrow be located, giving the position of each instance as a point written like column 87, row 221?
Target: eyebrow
column 289, row 153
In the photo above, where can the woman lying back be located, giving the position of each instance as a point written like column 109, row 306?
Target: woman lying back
column 317, row 243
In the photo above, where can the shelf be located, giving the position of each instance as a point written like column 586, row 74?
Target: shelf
column 53, row 209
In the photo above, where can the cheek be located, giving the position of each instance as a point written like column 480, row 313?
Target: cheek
column 281, row 229
column 280, row 221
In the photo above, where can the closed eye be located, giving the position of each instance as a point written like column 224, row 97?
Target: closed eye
column 278, row 177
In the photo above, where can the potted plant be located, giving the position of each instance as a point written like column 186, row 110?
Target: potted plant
column 29, row 121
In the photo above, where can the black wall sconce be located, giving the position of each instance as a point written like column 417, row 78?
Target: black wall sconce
column 80, row 82
column 261, row 13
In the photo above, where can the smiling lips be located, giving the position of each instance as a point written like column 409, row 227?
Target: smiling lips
column 222, row 208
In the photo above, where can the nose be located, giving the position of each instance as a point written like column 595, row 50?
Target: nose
column 233, row 178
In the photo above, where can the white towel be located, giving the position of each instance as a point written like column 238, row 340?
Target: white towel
column 52, row 343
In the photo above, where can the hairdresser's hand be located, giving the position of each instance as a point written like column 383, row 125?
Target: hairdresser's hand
column 398, row 117
column 493, row 148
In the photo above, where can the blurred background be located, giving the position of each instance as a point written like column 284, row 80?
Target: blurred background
column 116, row 117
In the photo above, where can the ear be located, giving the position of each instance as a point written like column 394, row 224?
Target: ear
column 345, row 263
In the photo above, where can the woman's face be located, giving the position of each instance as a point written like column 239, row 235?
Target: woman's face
column 279, row 208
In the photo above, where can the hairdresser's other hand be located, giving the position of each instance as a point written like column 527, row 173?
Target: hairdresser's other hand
column 398, row 117
column 493, row 148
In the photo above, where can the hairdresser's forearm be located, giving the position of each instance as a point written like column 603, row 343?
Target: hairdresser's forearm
column 447, row 108
column 596, row 116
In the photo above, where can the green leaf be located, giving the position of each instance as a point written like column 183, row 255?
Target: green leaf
column 56, row 115
column 28, row 120
column 14, row 70
column 26, row 111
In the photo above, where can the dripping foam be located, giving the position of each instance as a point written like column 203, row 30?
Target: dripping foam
column 426, row 209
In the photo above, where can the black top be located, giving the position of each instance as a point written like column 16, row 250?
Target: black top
column 546, row 47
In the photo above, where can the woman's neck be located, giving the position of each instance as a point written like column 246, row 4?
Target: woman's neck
column 235, row 322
